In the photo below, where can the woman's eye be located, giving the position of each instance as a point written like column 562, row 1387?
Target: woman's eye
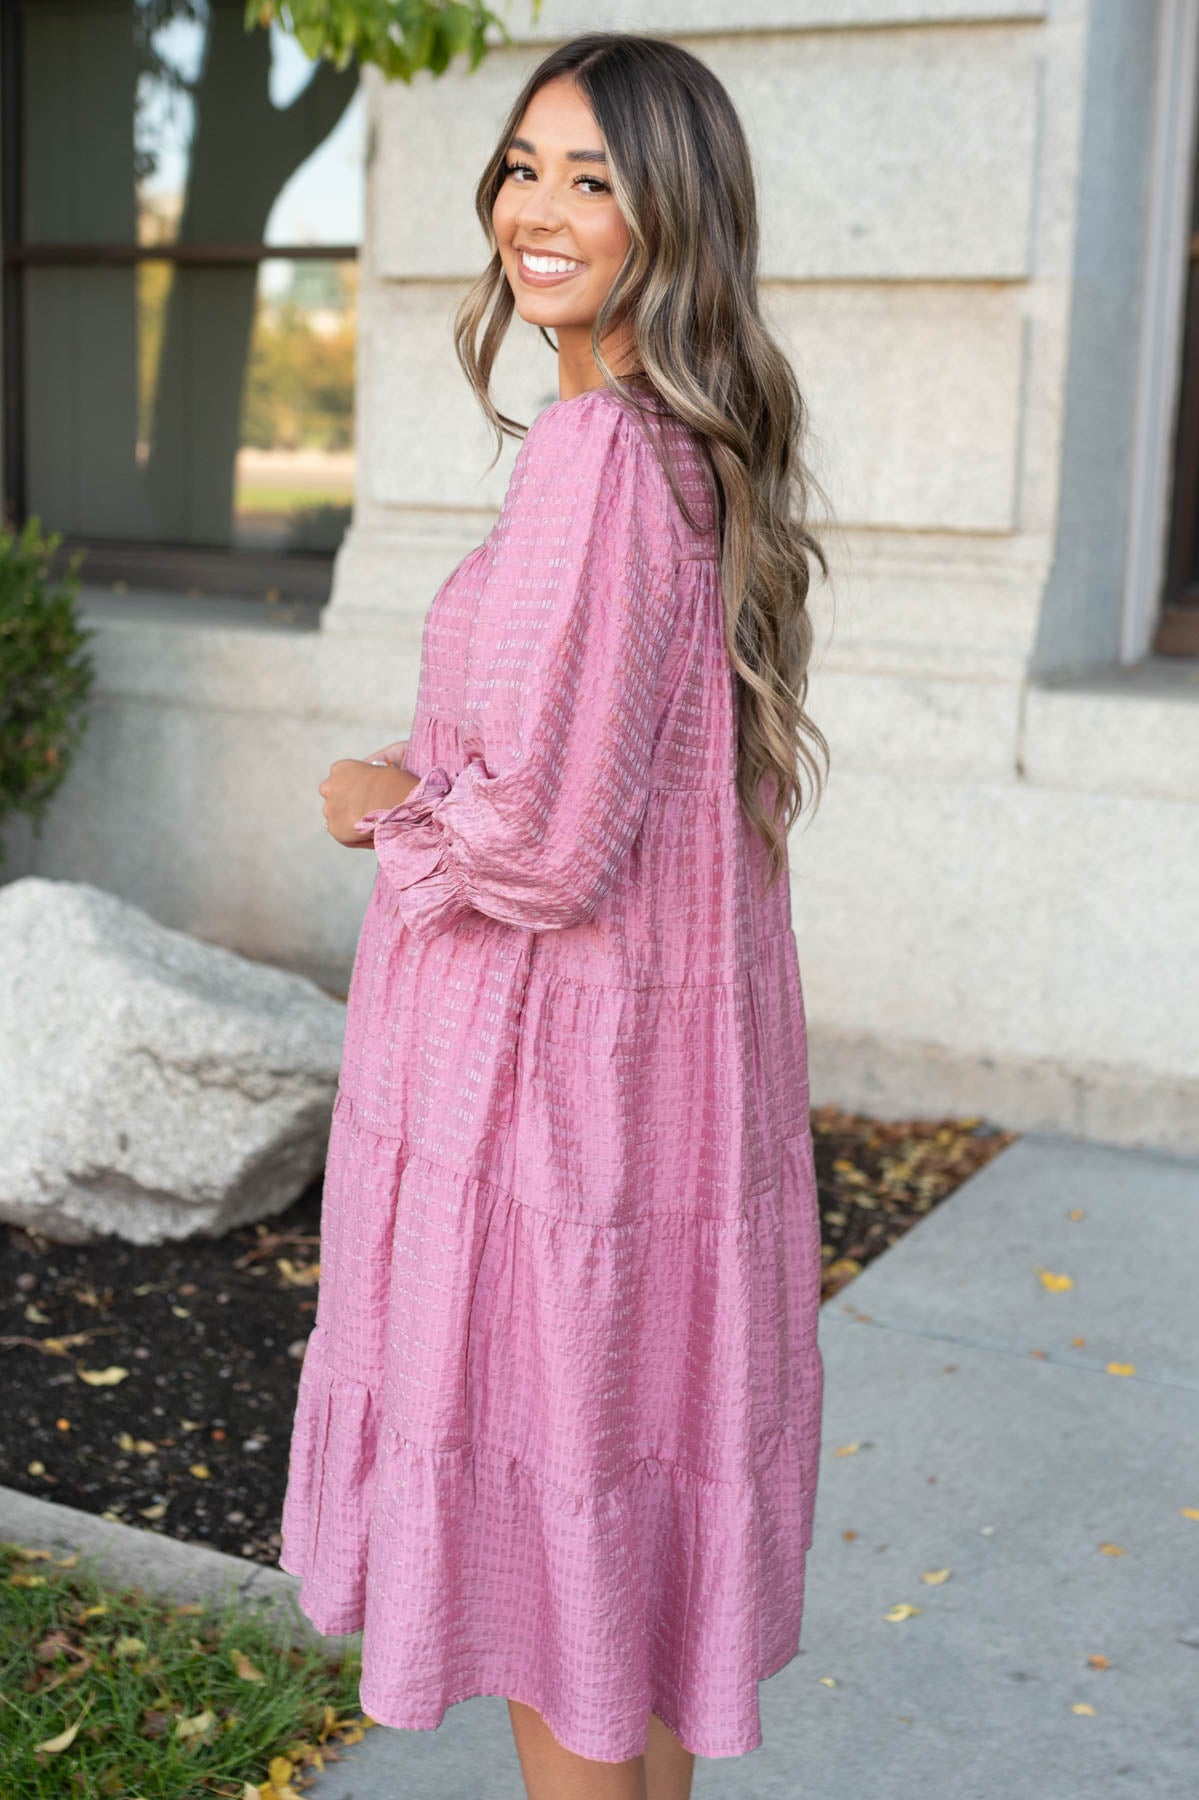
column 593, row 181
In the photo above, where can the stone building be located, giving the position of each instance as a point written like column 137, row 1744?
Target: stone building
column 979, row 238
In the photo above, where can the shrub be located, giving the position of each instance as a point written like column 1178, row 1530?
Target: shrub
column 46, row 674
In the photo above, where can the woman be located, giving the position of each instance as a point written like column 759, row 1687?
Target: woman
column 557, row 1429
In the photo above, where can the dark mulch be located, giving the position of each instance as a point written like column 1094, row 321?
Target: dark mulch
column 192, row 1439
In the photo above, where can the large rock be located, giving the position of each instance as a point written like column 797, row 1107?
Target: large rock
column 151, row 1085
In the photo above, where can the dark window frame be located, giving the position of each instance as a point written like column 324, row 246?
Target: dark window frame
column 1178, row 623
column 305, row 575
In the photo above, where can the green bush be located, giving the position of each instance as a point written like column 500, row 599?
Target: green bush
column 46, row 674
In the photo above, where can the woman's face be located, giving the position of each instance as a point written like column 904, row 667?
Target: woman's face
column 555, row 201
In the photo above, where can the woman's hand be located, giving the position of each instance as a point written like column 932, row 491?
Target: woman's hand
column 392, row 753
column 354, row 787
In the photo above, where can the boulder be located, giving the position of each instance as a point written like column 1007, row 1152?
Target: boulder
column 151, row 1085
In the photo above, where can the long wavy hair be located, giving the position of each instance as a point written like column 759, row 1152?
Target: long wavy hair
column 681, row 172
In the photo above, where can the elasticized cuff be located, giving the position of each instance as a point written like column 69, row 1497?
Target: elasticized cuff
column 411, row 849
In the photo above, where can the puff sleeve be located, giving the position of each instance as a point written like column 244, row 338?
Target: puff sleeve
column 574, row 624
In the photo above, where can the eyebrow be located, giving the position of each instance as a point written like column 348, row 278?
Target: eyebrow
column 519, row 143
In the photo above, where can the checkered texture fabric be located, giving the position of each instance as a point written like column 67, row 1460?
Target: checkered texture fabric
column 558, row 1420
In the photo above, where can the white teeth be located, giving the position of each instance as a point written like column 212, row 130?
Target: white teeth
column 548, row 265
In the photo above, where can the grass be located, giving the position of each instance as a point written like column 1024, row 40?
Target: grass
column 279, row 498
column 116, row 1694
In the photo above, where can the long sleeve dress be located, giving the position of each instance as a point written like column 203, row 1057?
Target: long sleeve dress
column 558, row 1419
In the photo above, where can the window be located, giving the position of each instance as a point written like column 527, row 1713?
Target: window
column 182, row 206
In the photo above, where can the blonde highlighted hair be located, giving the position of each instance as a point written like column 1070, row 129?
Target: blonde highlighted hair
column 680, row 170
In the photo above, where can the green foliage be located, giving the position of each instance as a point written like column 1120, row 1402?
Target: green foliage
column 114, row 1691
column 46, row 674
column 400, row 36
column 299, row 387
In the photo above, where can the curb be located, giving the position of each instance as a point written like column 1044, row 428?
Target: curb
column 127, row 1556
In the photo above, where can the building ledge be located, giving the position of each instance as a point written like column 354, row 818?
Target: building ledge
column 1118, row 730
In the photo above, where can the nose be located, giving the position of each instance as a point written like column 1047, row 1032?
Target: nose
column 539, row 207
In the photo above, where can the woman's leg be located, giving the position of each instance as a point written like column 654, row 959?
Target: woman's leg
column 553, row 1773
column 668, row 1766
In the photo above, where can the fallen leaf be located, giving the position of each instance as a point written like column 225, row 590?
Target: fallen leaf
column 1121, row 1368
column 1099, row 1662
column 66, row 1738
column 826, row 1681
column 201, row 1471
column 1111, row 1550
column 102, row 1377
column 198, row 1722
column 1056, row 1284
column 128, row 1646
column 298, row 1274
column 847, row 1449
column 1080, row 1706
column 1189, row 1512
column 1076, row 1212
column 934, row 1577
column 902, row 1611
column 243, row 1667
column 1078, row 1342
column 849, row 1536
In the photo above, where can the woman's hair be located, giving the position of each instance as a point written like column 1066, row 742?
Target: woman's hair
column 680, row 169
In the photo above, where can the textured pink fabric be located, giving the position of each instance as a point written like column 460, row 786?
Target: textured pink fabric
column 557, row 1428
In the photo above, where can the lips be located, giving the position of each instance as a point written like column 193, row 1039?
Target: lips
column 545, row 277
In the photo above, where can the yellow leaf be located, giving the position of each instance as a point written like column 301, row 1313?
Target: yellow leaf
column 93, row 1612
column 244, row 1668
column 1080, row 1706
column 128, row 1646
column 201, row 1471
column 281, row 1770
column 1099, row 1662
column 19, row 1580
column 1189, row 1512
column 1076, row 1212
column 125, row 1441
column 934, row 1577
column 1111, row 1550
column 66, row 1738
column 192, row 1424
column 1121, row 1368
column 36, row 1468
column 297, row 1275
column 199, row 1722
column 826, row 1681
column 902, row 1611
column 847, row 1449
column 182, row 1312
column 1057, row 1284
column 29, row 1555
column 153, row 1512
column 102, row 1377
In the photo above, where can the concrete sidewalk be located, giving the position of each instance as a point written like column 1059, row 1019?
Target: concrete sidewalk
column 1010, row 1469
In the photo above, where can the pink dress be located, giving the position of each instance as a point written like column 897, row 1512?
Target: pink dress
column 557, row 1427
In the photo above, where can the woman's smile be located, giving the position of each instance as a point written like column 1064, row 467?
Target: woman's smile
column 542, row 269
